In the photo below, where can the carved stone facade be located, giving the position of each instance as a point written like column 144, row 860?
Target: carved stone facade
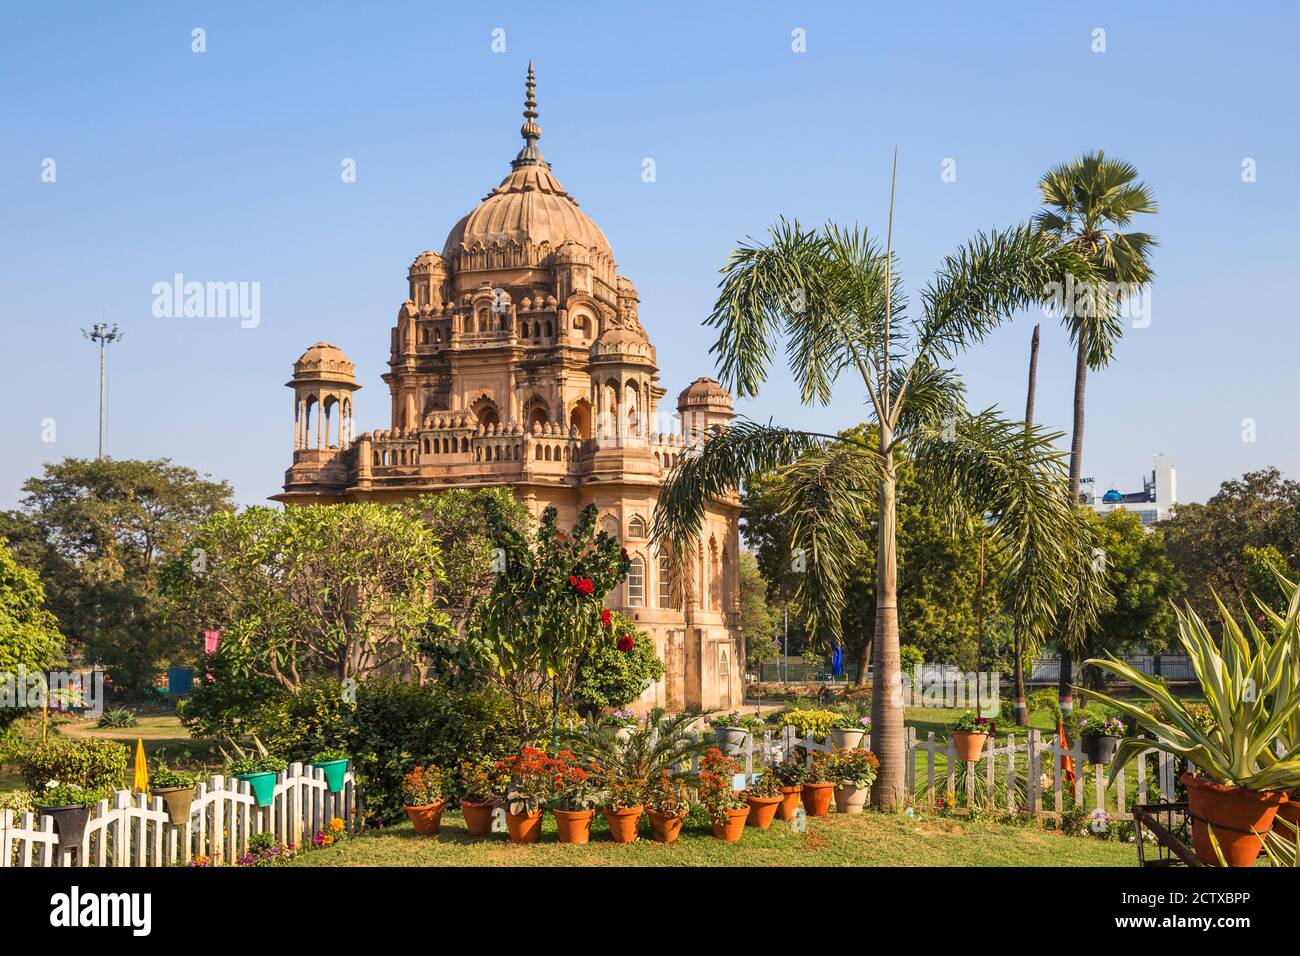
column 519, row 359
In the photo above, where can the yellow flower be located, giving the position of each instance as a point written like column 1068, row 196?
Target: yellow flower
column 336, row 825
column 329, row 841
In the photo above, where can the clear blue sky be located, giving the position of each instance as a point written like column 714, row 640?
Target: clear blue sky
column 225, row 166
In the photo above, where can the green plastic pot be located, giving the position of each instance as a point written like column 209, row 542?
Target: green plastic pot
column 262, row 784
column 334, row 771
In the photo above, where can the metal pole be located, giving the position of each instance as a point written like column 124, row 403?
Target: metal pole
column 785, row 643
column 104, row 336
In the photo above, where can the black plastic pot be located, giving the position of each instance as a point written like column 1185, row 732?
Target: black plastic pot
column 69, row 822
column 1099, row 748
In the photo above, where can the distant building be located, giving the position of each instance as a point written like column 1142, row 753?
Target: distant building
column 1153, row 503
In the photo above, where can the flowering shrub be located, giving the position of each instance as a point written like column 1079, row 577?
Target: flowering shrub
column 716, row 794
column 735, row 719
column 265, row 850
column 790, row 772
column 615, row 671
column 531, row 782
column 667, row 794
column 620, row 718
column 332, row 833
column 483, row 781
column 819, row 770
column 1106, row 727
column 856, row 767
column 621, row 791
column 422, row 786
column 804, row 722
column 202, row 861
column 574, row 787
column 972, row 724
column 765, row 784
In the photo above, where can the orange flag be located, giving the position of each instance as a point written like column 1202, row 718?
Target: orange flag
column 1067, row 763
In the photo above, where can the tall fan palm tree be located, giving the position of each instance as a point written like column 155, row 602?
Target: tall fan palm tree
column 833, row 296
column 1089, row 200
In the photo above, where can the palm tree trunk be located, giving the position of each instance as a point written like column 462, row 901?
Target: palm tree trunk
column 889, row 791
column 1063, row 691
column 1022, row 708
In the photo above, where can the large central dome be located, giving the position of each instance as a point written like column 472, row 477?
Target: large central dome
column 530, row 206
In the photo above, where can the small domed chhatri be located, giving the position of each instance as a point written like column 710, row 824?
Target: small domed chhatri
column 518, row 359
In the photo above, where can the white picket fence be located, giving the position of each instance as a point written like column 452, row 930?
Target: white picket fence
column 136, row 831
column 1016, row 765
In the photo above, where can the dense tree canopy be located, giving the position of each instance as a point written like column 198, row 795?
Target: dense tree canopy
column 1208, row 542
column 98, row 532
column 29, row 634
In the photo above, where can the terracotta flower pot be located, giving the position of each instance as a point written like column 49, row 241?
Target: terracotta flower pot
column 1290, row 812
column 478, row 817
column 850, row 799
column 1232, row 813
column 178, row 801
column 622, row 823
column 427, row 818
column 847, row 738
column 761, row 811
column 524, row 827
column 574, row 825
column 817, row 798
column 734, row 828
column 663, row 827
column 970, row 746
column 789, row 802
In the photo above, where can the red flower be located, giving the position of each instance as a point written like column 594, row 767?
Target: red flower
column 626, row 643
column 583, row 586
column 605, row 616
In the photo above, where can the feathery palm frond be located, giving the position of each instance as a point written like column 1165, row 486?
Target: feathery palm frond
column 658, row 742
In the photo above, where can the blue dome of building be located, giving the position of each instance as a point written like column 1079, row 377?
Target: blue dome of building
column 1112, row 496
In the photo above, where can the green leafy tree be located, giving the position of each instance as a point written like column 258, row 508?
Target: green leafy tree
column 542, row 617
column 618, row 667
column 1143, row 586
column 333, row 590
column 1088, row 203
column 1264, row 569
column 99, row 532
column 757, row 620
column 1208, row 542
column 29, row 634
column 832, row 297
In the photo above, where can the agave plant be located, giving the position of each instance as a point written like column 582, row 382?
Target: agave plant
column 660, row 742
column 1287, row 628
column 1248, row 680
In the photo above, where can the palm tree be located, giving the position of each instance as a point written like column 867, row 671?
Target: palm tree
column 1088, row 200
column 833, row 296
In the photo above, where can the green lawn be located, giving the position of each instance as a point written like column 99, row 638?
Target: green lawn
column 866, row 840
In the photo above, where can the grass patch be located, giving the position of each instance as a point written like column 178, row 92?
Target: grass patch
column 869, row 839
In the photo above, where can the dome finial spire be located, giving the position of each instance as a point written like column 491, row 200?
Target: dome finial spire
column 530, row 131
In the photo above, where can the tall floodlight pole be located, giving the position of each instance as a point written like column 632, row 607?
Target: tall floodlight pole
column 105, row 336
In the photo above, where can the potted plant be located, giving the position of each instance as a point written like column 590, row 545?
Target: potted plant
column 733, row 733
column 790, row 774
column 726, row 808
column 818, row 785
column 1240, row 780
column 423, row 798
column 848, row 732
column 482, row 783
column 334, row 761
column 854, row 771
column 622, row 807
column 666, row 802
column 969, row 734
column 530, row 787
column 177, row 791
column 259, row 773
column 1100, row 737
column 619, row 724
column 69, row 805
column 577, row 792
column 762, row 797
